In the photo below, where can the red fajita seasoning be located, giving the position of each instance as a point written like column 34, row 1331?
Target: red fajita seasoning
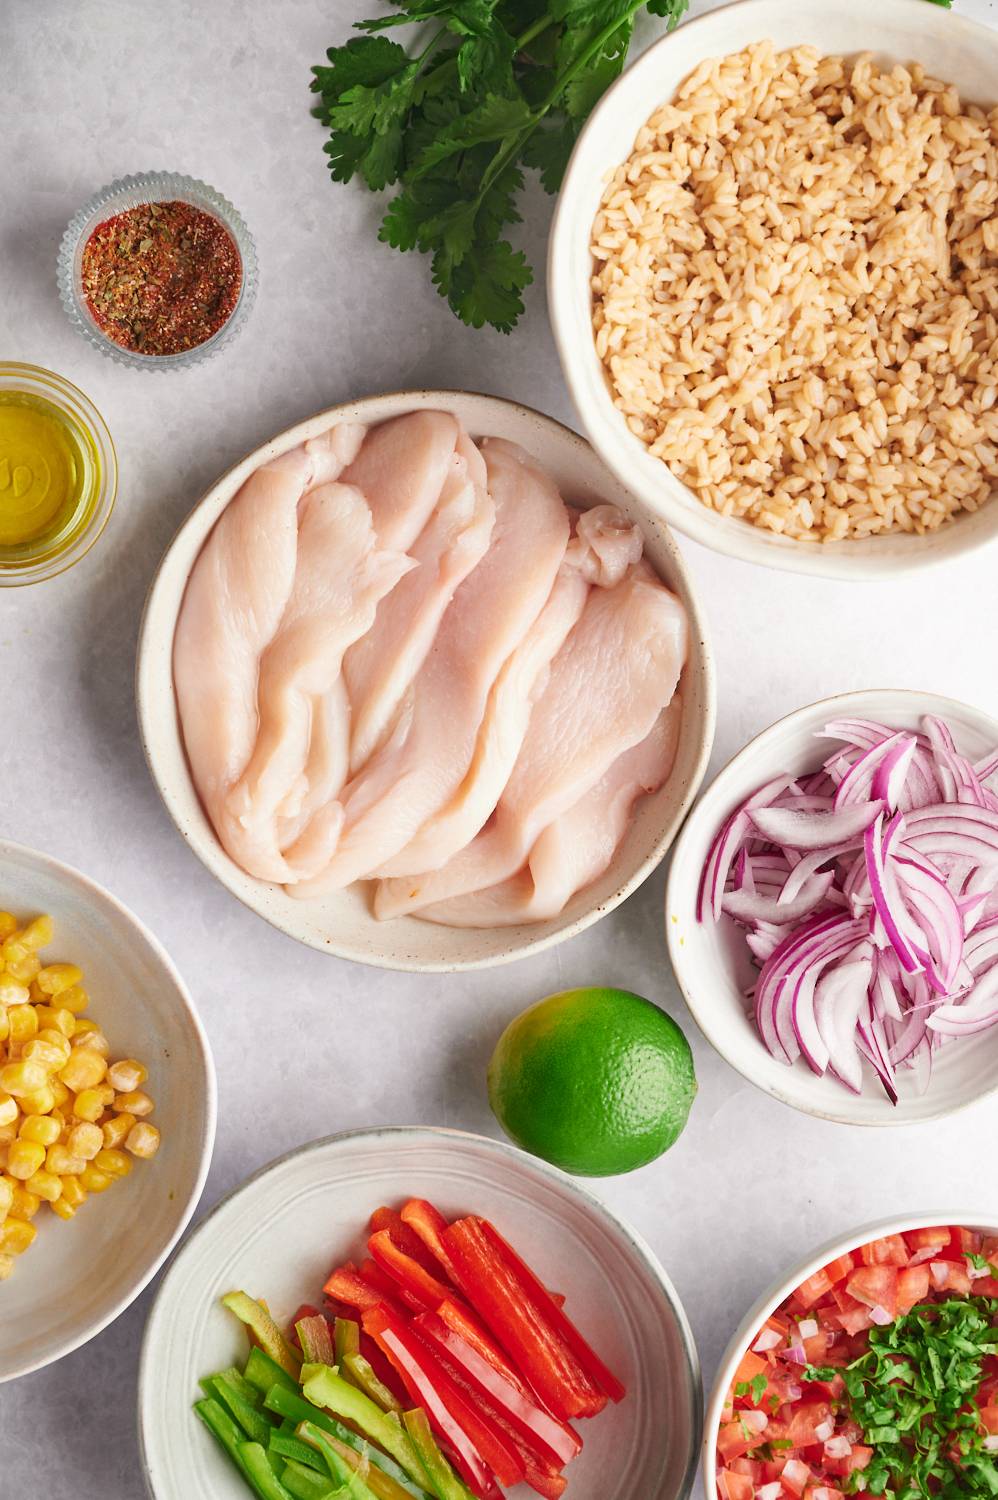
column 161, row 278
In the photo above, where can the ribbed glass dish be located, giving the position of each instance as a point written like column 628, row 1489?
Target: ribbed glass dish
column 132, row 192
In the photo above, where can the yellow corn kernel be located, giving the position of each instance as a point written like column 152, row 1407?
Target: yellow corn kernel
column 126, row 1075
column 82, row 1024
column 9, row 1110
column 45, row 1185
column 116, row 1129
column 16, row 1236
column 62, row 1209
column 23, row 1205
column 8, row 925
column 143, row 1140
column 12, row 992
column 60, row 1093
column 75, row 999
column 51, row 1057
column 55, row 978
column 7, row 1264
column 20, row 1078
column 23, row 1022
column 114, row 1163
column 6, row 1197
column 94, row 1180
column 20, row 962
column 57, row 1018
column 135, row 1103
column 24, row 1159
column 73, row 1191
column 92, row 1041
column 39, row 1101
column 40, row 1128
column 84, row 1070
column 63, row 1162
column 85, row 1140
column 4, row 1027
column 90, row 1104
column 37, row 934
column 55, row 1038
column 4, row 1152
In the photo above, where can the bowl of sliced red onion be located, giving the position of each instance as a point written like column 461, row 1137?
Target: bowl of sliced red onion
column 832, row 908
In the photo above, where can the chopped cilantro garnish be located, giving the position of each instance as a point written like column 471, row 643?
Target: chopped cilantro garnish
column 756, row 1388
column 979, row 1262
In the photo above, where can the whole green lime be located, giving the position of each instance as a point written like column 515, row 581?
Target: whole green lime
column 597, row 1081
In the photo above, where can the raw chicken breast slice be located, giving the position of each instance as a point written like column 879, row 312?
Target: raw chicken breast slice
column 340, row 576
column 381, row 665
column 507, row 715
column 326, row 768
column 400, row 469
column 235, row 597
column 617, row 670
column 578, row 846
column 331, row 452
column 420, row 766
column 605, row 544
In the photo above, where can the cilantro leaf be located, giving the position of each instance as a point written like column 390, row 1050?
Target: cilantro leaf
column 486, row 287
column 495, row 118
column 549, row 148
column 365, row 60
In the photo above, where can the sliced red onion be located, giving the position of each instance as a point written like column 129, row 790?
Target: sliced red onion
column 823, row 1431
column 769, row 1338
column 808, row 1328
column 886, row 900
column 755, row 1421
column 771, row 1491
column 940, row 919
column 879, row 773
column 840, row 997
column 807, row 830
column 939, row 1271
column 749, row 908
column 881, row 1316
column 837, row 1447
column 725, row 846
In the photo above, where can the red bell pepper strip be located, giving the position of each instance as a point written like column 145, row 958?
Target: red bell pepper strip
column 503, row 1301
column 405, row 1237
column 347, row 1285
column 463, row 1322
column 584, row 1353
column 552, row 1440
column 406, row 1272
column 428, row 1224
column 480, row 1449
column 390, row 1289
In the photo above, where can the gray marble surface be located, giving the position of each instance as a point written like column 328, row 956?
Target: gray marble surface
column 94, row 89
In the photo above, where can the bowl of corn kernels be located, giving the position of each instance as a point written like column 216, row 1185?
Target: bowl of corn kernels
column 107, row 1108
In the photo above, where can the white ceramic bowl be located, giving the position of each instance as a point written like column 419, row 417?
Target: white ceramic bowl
column 953, row 48
column 341, row 923
column 279, row 1234
column 712, row 962
column 781, row 1289
column 100, row 1262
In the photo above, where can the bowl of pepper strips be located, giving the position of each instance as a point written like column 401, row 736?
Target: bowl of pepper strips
column 157, row 271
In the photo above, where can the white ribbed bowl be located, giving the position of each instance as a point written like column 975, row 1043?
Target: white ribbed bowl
column 712, row 962
column 341, row 923
column 951, row 47
column 278, row 1236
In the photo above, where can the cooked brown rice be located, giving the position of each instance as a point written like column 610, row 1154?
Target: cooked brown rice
column 796, row 293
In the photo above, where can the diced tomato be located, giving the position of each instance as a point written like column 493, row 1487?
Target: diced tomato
column 812, row 1289
column 825, row 1492
column 795, row 1476
column 925, row 1243
column 734, row 1439
column 986, row 1286
column 950, row 1277
column 732, row 1486
column 889, row 1251
column 751, row 1366
column 855, row 1318
column 839, row 1268
column 750, row 1466
column 989, row 1417
column 816, row 1348
column 876, row 1286
column 913, row 1286
column 806, row 1419
column 859, row 1458
column 969, row 1241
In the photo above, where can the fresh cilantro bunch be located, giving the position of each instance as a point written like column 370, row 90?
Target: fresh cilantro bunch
column 488, row 88
column 914, row 1393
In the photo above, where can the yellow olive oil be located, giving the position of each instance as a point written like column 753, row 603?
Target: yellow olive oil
column 50, row 478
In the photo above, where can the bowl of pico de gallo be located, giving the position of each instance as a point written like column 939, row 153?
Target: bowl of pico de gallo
column 872, row 1369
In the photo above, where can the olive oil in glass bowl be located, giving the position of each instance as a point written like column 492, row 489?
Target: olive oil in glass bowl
column 58, row 474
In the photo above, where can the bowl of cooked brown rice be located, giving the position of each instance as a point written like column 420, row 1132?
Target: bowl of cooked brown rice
column 773, row 281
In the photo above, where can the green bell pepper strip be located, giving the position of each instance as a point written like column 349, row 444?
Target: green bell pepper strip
column 260, row 1474
column 325, row 1387
column 263, row 1372
column 363, row 1376
column 316, row 1340
column 441, row 1477
column 307, row 1484
column 255, row 1424
column 287, row 1446
column 352, row 1481
column 295, row 1409
column 347, row 1337
column 236, row 1378
column 223, row 1429
column 264, row 1330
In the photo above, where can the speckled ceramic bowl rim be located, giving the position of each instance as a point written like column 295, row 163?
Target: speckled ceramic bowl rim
column 156, row 187
column 691, row 1372
column 781, row 1288
column 62, row 871
column 676, row 957
column 398, row 402
column 862, row 560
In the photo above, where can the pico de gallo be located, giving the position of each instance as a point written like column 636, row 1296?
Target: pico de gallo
column 878, row 1375
column 438, row 1367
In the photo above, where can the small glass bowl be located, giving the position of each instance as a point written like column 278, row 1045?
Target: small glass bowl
column 132, row 192
column 95, row 442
